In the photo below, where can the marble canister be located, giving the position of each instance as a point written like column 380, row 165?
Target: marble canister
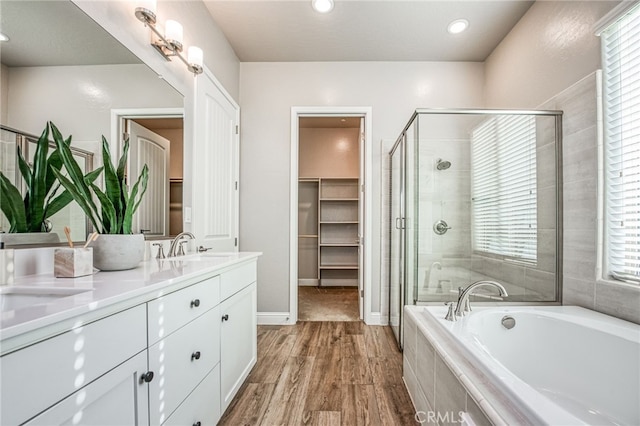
column 72, row 262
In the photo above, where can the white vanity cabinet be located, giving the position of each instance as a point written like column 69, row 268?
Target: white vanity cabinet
column 238, row 334
column 176, row 357
column 55, row 371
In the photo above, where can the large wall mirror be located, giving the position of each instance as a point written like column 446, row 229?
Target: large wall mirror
column 60, row 66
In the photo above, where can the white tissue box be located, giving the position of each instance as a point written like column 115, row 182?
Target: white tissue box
column 72, row 262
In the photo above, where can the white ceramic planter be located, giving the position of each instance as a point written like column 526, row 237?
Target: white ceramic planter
column 117, row 252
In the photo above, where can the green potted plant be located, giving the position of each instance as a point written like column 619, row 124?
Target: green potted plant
column 28, row 216
column 112, row 216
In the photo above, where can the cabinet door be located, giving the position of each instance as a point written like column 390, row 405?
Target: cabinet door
column 238, row 344
column 117, row 398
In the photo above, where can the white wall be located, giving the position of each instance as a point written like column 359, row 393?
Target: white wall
column 4, row 88
column 551, row 55
column 269, row 90
column 552, row 47
column 117, row 17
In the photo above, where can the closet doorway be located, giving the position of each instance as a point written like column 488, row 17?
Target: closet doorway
column 330, row 212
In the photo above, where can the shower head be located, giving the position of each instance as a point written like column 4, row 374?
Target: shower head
column 442, row 164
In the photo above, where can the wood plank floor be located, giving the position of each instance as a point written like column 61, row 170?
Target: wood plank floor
column 324, row 373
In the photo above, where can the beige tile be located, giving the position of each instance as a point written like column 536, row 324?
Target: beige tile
column 539, row 284
column 580, row 263
column 619, row 300
column 546, row 208
column 578, row 292
column 477, row 415
column 410, row 336
column 426, row 368
column 582, row 164
column 450, row 395
column 546, row 166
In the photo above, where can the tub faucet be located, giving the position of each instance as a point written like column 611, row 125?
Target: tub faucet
column 463, row 298
column 173, row 248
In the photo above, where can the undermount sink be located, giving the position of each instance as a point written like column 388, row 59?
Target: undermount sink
column 12, row 298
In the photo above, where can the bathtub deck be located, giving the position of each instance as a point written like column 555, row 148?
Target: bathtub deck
column 324, row 373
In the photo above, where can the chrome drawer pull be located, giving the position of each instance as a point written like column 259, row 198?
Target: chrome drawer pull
column 195, row 303
column 195, row 355
column 225, row 317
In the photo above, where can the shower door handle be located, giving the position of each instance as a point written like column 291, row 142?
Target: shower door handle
column 399, row 222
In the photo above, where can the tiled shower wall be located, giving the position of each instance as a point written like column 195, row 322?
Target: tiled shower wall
column 580, row 173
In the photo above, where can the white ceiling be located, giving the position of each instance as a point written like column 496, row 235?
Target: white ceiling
column 47, row 33
column 363, row 30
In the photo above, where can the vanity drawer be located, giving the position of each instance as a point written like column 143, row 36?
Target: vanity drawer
column 180, row 361
column 170, row 312
column 202, row 406
column 236, row 279
column 38, row 376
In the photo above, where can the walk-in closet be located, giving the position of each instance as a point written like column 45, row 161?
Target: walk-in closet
column 329, row 218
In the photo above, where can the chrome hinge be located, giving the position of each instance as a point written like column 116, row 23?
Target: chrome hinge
column 236, row 185
column 361, row 293
column 125, row 136
column 237, row 129
column 235, row 243
column 362, row 188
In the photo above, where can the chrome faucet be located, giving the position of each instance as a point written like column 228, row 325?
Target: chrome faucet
column 173, row 248
column 463, row 299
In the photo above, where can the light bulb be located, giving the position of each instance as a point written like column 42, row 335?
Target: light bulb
column 322, row 6
column 195, row 56
column 458, row 26
column 173, row 31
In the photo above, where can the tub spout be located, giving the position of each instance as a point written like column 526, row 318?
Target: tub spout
column 463, row 298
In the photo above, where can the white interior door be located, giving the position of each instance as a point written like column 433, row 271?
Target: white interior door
column 147, row 147
column 215, row 167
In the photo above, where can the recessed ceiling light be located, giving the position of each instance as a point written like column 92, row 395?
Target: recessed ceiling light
column 322, row 6
column 458, row 26
column 4, row 37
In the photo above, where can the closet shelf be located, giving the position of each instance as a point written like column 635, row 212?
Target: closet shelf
column 338, row 221
column 339, row 199
column 307, row 236
column 339, row 266
column 339, row 244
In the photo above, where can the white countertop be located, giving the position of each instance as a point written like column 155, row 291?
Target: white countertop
column 106, row 290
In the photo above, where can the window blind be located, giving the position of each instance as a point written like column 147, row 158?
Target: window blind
column 504, row 195
column 621, row 102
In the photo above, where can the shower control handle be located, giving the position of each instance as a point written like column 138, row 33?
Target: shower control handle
column 441, row 227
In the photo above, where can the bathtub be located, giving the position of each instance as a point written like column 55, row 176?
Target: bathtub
column 561, row 365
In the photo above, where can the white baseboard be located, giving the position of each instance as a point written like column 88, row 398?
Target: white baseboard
column 273, row 318
column 376, row 318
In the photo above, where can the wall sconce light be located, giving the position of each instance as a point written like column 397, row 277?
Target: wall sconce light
column 169, row 44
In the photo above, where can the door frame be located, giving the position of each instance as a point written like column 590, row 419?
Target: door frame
column 118, row 116
column 367, row 154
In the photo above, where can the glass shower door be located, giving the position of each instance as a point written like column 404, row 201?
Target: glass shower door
column 396, row 249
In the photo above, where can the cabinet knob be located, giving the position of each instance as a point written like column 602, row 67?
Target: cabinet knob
column 225, row 317
column 195, row 355
column 146, row 377
column 195, row 303
column 197, row 424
